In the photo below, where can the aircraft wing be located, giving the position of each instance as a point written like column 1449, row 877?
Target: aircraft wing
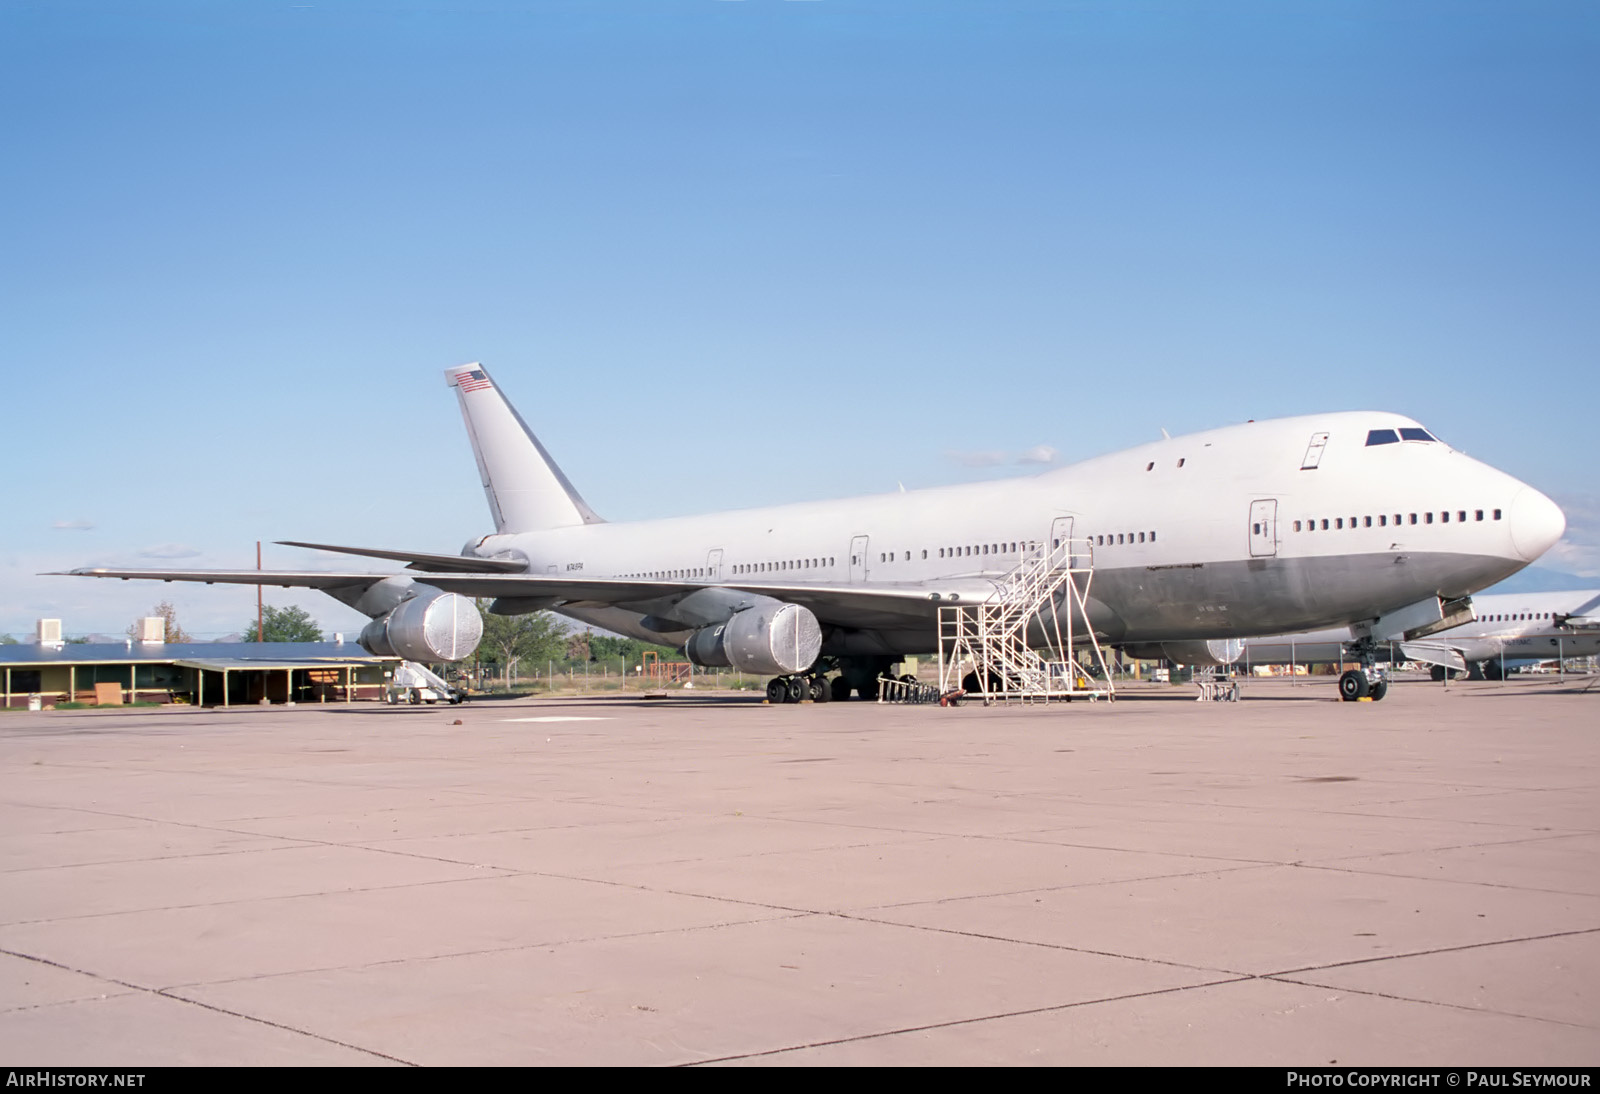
column 844, row 606
column 419, row 560
column 1585, row 618
column 1434, row 653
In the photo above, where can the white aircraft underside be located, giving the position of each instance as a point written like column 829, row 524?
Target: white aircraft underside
column 1262, row 528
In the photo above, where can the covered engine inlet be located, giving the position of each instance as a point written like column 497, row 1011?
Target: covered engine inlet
column 437, row 627
column 1213, row 651
column 768, row 639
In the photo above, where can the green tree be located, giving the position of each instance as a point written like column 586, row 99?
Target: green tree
column 167, row 612
column 630, row 651
column 537, row 636
column 291, row 624
column 7, row 640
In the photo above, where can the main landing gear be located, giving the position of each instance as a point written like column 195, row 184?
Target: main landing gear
column 857, row 675
column 799, row 687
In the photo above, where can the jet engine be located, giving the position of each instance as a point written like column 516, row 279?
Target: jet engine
column 430, row 626
column 774, row 638
column 1213, row 651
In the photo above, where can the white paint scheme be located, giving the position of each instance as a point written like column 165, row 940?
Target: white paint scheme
column 1509, row 628
column 1206, row 522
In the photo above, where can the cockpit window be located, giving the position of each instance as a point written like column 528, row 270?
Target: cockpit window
column 1412, row 433
column 1382, row 436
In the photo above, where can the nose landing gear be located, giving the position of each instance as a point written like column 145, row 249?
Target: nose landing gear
column 1365, row 682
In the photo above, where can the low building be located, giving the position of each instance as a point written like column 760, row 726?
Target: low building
column 202, row 673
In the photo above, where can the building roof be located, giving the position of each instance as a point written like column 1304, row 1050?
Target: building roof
column 210, row 655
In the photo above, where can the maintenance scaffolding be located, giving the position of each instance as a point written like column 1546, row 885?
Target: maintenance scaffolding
column 1040, row 605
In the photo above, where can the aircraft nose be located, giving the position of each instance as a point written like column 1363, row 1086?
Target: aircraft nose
column 1536, row 523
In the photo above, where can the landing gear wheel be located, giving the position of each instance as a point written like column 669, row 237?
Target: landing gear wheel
column 1378, row 690
column 818, row 689
column 798, row 689
column 777, row 690
column 1353, row 686
column 839, row 688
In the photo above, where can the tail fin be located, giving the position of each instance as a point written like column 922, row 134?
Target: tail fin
column 526, row 490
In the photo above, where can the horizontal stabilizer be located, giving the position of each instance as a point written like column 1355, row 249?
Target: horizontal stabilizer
column 420, row 560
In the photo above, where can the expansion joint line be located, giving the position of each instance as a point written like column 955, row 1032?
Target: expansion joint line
column 165, row 994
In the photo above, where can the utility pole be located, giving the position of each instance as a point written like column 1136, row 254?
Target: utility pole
column 260, row 611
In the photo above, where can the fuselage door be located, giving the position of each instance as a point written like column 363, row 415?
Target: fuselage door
column 1063, row 552
column 1319, row 441
column 714, row 564
column 1264, row 527
column 858, row 560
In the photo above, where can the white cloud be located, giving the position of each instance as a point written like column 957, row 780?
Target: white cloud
column 1578, row 552
column 73, row 525
column 1039, row 454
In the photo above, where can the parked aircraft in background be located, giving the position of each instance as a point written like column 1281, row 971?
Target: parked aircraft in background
column 1510, row 629
column 1261, row 528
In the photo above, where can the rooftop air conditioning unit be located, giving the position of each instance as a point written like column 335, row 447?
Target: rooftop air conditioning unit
column 50, row 632
column 152, row 628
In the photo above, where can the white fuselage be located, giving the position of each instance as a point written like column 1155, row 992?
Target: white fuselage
column 1509, row 627
column 1260, row 528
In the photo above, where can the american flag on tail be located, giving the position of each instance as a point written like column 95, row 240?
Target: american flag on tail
column 472, row 380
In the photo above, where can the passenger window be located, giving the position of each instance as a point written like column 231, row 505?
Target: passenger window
column 1368, row 521
column 1497, row 514
column 1338, row 522
column 1461, row 516
column 1427, row 518
column 1479, row 513
column 1444, row 517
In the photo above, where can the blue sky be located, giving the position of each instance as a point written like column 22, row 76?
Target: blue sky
column 912, row 242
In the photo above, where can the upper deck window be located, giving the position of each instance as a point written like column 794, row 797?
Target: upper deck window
column 1413, row 433
column 1382, row 436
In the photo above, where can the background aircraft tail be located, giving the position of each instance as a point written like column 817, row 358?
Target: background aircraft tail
column 526, row 490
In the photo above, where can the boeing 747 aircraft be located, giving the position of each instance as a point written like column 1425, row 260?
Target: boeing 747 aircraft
column 1509, row 629
column 1362, row 518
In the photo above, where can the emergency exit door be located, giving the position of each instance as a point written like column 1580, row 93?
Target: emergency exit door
column 1264, row 528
